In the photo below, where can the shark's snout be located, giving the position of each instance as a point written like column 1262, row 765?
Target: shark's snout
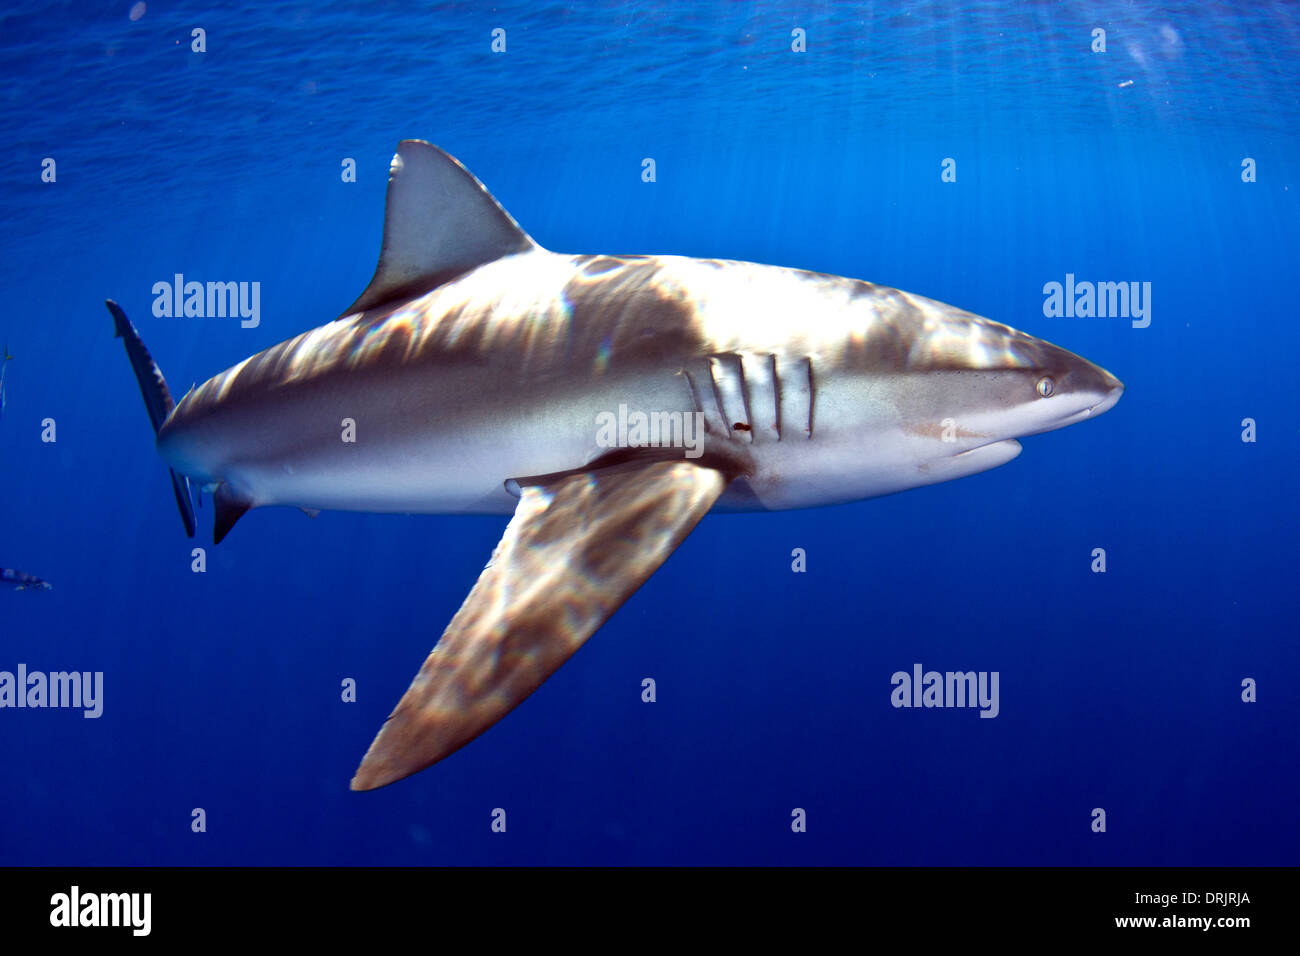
column 1112, row 396
column 1071, row 390
column 1091, row 386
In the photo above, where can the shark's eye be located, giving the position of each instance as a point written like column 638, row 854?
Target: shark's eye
column 1045, row 386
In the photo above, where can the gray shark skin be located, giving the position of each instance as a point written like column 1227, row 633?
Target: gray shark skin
column 472, row 373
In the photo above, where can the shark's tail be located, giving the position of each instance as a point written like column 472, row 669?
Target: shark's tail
column 157, row 399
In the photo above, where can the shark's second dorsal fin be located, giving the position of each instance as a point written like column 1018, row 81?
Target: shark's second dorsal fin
column 439, row 222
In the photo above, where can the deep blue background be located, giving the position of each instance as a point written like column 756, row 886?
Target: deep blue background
column 1119, row 691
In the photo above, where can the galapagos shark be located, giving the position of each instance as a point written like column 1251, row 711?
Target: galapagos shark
column 479, row 373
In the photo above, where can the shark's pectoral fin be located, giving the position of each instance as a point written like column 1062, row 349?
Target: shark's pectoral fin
column 575, row 550
column 439, row 222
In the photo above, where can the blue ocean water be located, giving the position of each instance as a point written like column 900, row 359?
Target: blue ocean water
column 1119, row 690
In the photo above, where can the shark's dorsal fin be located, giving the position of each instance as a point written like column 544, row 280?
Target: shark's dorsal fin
column 439, row 222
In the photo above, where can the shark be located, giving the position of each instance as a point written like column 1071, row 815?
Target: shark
column 478, row 373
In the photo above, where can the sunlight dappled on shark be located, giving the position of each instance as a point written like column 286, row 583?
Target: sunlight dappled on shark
column 476, row 365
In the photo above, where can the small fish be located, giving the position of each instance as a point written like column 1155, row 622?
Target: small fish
column 23, row 581
column 3, row 364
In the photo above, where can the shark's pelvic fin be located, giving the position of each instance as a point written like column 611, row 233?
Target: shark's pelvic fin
column 439, row 222
column 575, row 550
column 230, row 508
column 157, row 399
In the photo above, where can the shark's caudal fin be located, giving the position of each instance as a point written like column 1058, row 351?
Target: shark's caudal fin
column 157, row 399
column 439, row 222
column 575, row 550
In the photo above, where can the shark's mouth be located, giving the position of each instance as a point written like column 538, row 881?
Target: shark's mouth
column 1105, row 404
column 972, row 460
column 992, row 449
